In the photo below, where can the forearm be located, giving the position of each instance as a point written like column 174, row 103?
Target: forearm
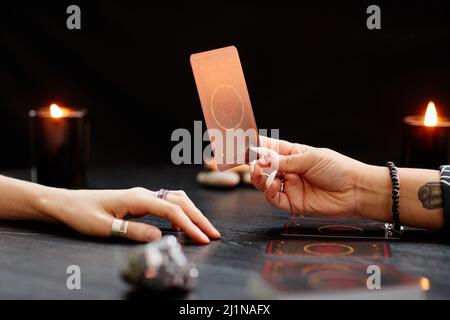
column 21, row 200
column 374, row 197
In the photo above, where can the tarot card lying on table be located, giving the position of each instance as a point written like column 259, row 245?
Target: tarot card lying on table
column 341, row 229
column 328, row 249
column 282, row 279
column 309, row 217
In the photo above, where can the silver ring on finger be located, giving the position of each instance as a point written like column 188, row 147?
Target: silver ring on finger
column 162, row 194
column 119, row 228
column 282, row 186
column 282, row 182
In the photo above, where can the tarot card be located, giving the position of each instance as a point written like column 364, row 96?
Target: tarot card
column 328, row 249
column 334, row 229
column 281, row 279
column 328, row 218
column 226, row 105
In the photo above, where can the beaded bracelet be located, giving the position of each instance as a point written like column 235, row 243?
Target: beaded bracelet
column 395, row 196
column 445, row 186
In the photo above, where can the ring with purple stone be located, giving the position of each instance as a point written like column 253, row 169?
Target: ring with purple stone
column 162, row 194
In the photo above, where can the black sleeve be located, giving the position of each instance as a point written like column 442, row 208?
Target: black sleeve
column 445, row 185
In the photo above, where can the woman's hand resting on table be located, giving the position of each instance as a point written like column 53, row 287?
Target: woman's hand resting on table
column 92, row 212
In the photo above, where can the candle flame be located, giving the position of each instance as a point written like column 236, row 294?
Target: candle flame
column 425, row 283
column 431, row 116
column 56, row 111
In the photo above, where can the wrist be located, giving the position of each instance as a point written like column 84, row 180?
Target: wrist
column 48, row 202
column 23, row 200
column 373, row 194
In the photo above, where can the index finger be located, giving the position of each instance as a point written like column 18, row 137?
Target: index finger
column 144, row 203
column 280, row 146
column 181, row 199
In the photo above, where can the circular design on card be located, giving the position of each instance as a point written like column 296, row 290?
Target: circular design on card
column 340, row 230
column 336, row 279
column 328, row 249
column 227, row 107
column 311, row 268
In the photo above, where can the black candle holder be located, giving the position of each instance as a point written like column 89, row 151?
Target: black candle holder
column 60, row 147
column 425, row 147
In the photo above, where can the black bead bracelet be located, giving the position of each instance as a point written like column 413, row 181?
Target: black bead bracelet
column 395, row 196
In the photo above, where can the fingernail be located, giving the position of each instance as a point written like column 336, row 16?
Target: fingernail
column 252, row 167
column 205, row 239
column 270, row 179
column 264, row 151
column 216, row 233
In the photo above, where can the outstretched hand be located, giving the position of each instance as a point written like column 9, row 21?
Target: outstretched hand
column 92, row 212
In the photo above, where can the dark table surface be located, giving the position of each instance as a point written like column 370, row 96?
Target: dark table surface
column 34, row 256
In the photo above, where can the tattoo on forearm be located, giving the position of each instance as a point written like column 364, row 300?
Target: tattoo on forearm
column 431, row 195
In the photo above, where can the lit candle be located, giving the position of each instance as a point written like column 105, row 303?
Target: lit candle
column 426, row 140
column 60, row 146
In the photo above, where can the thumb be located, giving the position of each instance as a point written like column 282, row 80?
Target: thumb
column 298, row 163
column 142, row 232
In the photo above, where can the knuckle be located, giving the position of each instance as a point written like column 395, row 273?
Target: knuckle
column 180, row 193
column 324, row 150
column 157, row 233
column 300, row 148
column 137, row 191
column 290, row 162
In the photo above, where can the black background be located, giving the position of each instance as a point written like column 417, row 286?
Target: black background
column 313, row 70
